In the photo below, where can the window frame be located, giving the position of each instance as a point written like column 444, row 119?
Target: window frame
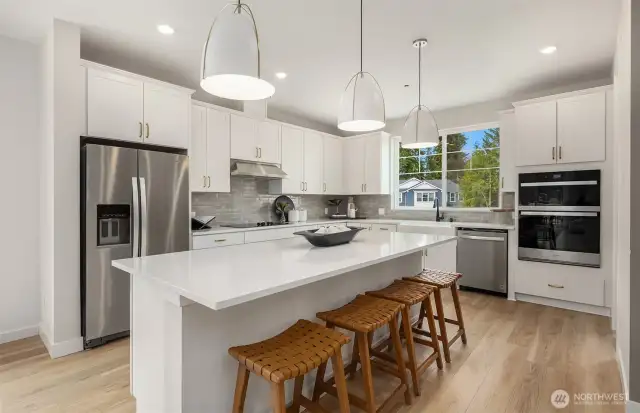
column 444, row 133
column 415, row 197
column 452, row 197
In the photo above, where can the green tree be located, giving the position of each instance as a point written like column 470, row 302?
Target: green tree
column 480, row 187
column 421, row 163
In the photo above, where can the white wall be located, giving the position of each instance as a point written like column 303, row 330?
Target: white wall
column 621, row 240
column 64, row 122
column 19, row 176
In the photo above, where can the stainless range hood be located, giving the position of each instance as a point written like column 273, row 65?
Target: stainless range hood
column 258, row 170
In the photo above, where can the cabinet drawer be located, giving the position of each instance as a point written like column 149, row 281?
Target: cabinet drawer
column 540, row 280
column 217, row 240
column 384, row 227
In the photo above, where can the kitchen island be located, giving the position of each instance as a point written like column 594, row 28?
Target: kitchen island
column 188, row 308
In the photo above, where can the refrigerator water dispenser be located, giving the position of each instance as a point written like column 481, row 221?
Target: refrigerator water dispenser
column 113, row 225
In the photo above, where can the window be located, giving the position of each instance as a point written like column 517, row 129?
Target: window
column 400, row 198
column 466, row 169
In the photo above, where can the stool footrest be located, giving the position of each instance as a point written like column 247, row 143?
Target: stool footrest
column 311, row 406
column 448, row 320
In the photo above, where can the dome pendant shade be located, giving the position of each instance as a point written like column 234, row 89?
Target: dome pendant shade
column 420, row 128
column 362, row 105
column 231, row 57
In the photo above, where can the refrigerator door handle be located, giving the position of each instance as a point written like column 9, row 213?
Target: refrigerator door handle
column 144, row 221
column 136, row 217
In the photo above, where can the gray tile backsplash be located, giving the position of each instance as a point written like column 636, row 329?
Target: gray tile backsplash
column 250, row 201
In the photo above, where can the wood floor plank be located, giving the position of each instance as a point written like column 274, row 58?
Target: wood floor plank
column 518, row 355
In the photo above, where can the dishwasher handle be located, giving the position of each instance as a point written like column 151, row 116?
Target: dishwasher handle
column 482, row 238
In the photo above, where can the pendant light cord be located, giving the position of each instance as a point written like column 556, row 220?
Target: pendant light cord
column 361, row 35
column 419, row 77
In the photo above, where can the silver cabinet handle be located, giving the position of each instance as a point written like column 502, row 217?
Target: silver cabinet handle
column 558, row 214
column 219, row 240
column 324, row 187
column 556, row 286
column 140, row 130
column 257, row 152
column 209, row 185
column 136, row 217
column 503, row 182
column 481, row 238
column 560, row 152
column 383, row 229
column 305, row 187
column 260, row 153
column 204, row 185
column 553, row 153
column 148, row 131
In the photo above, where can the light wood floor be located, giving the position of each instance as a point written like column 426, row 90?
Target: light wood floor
column 518, row 354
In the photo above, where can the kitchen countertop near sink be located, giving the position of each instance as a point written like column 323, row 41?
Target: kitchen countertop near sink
column 446, row 224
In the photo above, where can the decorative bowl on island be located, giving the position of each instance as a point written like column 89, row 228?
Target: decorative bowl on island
column 329, row 239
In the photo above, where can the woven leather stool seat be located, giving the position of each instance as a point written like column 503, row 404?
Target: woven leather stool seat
column 363, row 314
column 292, row 353
column 408, row 293
column 437, row 278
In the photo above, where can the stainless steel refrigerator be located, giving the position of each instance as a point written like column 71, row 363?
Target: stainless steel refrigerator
column 134, row 202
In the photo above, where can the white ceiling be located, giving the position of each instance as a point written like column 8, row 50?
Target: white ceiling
column 479, row 50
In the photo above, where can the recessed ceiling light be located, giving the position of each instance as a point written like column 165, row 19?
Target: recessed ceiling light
column 165, row 29
column 548, row 50
column 281, row 75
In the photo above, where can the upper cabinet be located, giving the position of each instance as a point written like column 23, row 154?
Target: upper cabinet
column 563, row 130
column 508, row 175
column 209, row 152
column 367, row 164
column 255, row 140
column 313, row 163
column 302, row 161
column 132, row 108
column 332, row 165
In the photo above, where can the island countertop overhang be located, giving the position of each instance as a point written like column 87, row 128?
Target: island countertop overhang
column 220, row 278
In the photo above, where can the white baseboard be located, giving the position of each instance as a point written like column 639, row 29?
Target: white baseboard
column 567, row 305
column 19, row 334
column 633, row 407
column 61, row 349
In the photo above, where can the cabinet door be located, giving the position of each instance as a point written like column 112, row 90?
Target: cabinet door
column 243, row 138
column 376, row 164
column 292, row 160
column 536, row 134
column 353, row 162
column 114, row 106
column 508, row 175
column 198, row 150
column 313, row 163
column 582, row 128
column 332, row 169
column 218, row 151
column 166, row 116
column 268, row 142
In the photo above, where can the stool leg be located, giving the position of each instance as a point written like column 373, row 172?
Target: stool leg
column 278, row 403
column 240, row 394
column 421, row 317
column 402, row 369
column 365, row 361
column 355, row 358
column 341, row 382
column 317, row 389
column 411, row 350
column 426, row 305
column 297, row 393
column 456, row 304
column 443, row 326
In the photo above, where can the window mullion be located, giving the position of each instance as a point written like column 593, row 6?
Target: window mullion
column 445, row 157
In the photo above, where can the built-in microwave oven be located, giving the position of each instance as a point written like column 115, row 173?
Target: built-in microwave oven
column 559, row 217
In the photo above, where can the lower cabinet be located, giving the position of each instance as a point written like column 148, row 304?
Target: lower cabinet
column 384, row 227
column 248, row 237
column 217, row 240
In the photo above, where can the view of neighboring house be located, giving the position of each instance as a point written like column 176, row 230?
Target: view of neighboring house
column 419, row 193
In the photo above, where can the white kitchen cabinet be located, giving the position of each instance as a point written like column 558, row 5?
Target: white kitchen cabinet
column 384, row 227
column 292, row 163
column 254, row 140
column 313, row 163
column 367, row 164
column 166, row 116
column 268, row 142
column 217, row 240
column 536, row 134
column 243, row 138
column 275, row 234
column 582, row 128
column 114, row 106
column 508, row 174
column 442, row 257
column 209, row 152
column 332, row 165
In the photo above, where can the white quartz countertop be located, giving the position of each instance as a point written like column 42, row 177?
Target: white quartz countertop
column 219, row 278
column 447, row 224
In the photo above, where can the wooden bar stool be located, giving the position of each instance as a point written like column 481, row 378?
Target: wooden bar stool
column 363, row 316
column 440, row 280
column 409, row 294
column 291, row 354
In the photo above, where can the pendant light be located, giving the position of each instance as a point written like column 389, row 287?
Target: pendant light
column 420, row 127
column 231, row 56
column 362, row 103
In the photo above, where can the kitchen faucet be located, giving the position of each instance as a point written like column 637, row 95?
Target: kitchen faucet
column 436, row 205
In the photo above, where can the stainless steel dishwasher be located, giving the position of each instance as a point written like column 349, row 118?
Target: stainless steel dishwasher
column 482, row 260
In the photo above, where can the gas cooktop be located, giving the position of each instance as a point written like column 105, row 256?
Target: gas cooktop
column 253, row 224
